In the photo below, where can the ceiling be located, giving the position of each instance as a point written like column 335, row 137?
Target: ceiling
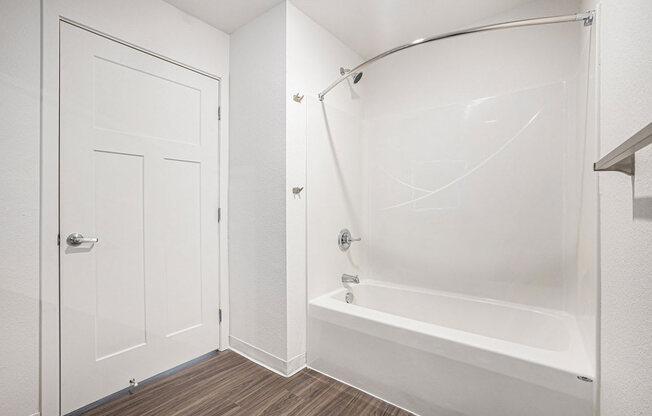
column 369, row 27
column 226, row 15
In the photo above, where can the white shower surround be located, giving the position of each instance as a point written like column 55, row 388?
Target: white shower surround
column 467, row 174
column 469, row 197
column 416, row 349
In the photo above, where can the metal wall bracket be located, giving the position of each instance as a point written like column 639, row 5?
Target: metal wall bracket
column 296, row 190
column 626, row 166
column 588, row 20
column 622, row 158
column 296, row 97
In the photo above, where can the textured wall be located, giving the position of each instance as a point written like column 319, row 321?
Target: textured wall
column 19, row 210
column 257, row 226
column 625, row 41
column 274, row 57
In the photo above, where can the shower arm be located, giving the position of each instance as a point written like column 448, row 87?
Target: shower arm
column 587, row 18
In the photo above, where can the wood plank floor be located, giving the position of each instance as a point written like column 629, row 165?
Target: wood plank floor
column 227, row 384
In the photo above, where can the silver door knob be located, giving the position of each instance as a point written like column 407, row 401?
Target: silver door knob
column 76, row 239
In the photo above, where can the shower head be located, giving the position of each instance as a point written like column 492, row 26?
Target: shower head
column 356, row 75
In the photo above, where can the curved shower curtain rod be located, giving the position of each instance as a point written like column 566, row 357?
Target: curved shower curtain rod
column 586, row 17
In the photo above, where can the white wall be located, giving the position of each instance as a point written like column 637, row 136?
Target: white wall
column 153, row 25
column 625, row 40
column 328, row 161
column 19, row 174
column 269, row 154
column 257, row 182
column 295, row 176
column 495, row 108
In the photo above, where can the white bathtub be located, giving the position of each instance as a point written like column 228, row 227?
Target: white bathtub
column 443, row 354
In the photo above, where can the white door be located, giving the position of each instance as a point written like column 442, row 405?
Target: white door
column 139, row 171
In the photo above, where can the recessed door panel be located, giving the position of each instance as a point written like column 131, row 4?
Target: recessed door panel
column 120, row 268
column 133, row 101
column 183, row 246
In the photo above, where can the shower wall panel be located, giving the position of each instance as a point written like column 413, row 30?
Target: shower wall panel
column 476, row 160
column 468, row 197
column 337, row 195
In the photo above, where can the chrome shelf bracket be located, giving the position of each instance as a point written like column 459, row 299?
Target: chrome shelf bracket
column 622, row 158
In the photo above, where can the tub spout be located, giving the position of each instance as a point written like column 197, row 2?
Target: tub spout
column 347, row 278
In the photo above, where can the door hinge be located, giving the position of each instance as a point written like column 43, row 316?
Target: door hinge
column 58, row 239
column 219, row 313
column 219, row 113
column 219, row 214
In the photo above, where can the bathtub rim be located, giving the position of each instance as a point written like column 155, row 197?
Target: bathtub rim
column 572, row 362
column 408, row 288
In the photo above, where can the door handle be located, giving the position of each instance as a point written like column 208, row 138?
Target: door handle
column 76, row 239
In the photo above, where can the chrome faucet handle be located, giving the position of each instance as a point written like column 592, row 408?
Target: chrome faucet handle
column 344, row 239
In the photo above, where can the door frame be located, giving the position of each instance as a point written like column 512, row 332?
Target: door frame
column 50, row 365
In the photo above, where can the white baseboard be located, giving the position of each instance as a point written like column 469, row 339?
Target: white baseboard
column 267, row 360
column 296, row 364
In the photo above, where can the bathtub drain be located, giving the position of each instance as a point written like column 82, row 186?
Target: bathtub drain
column 348, row 297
